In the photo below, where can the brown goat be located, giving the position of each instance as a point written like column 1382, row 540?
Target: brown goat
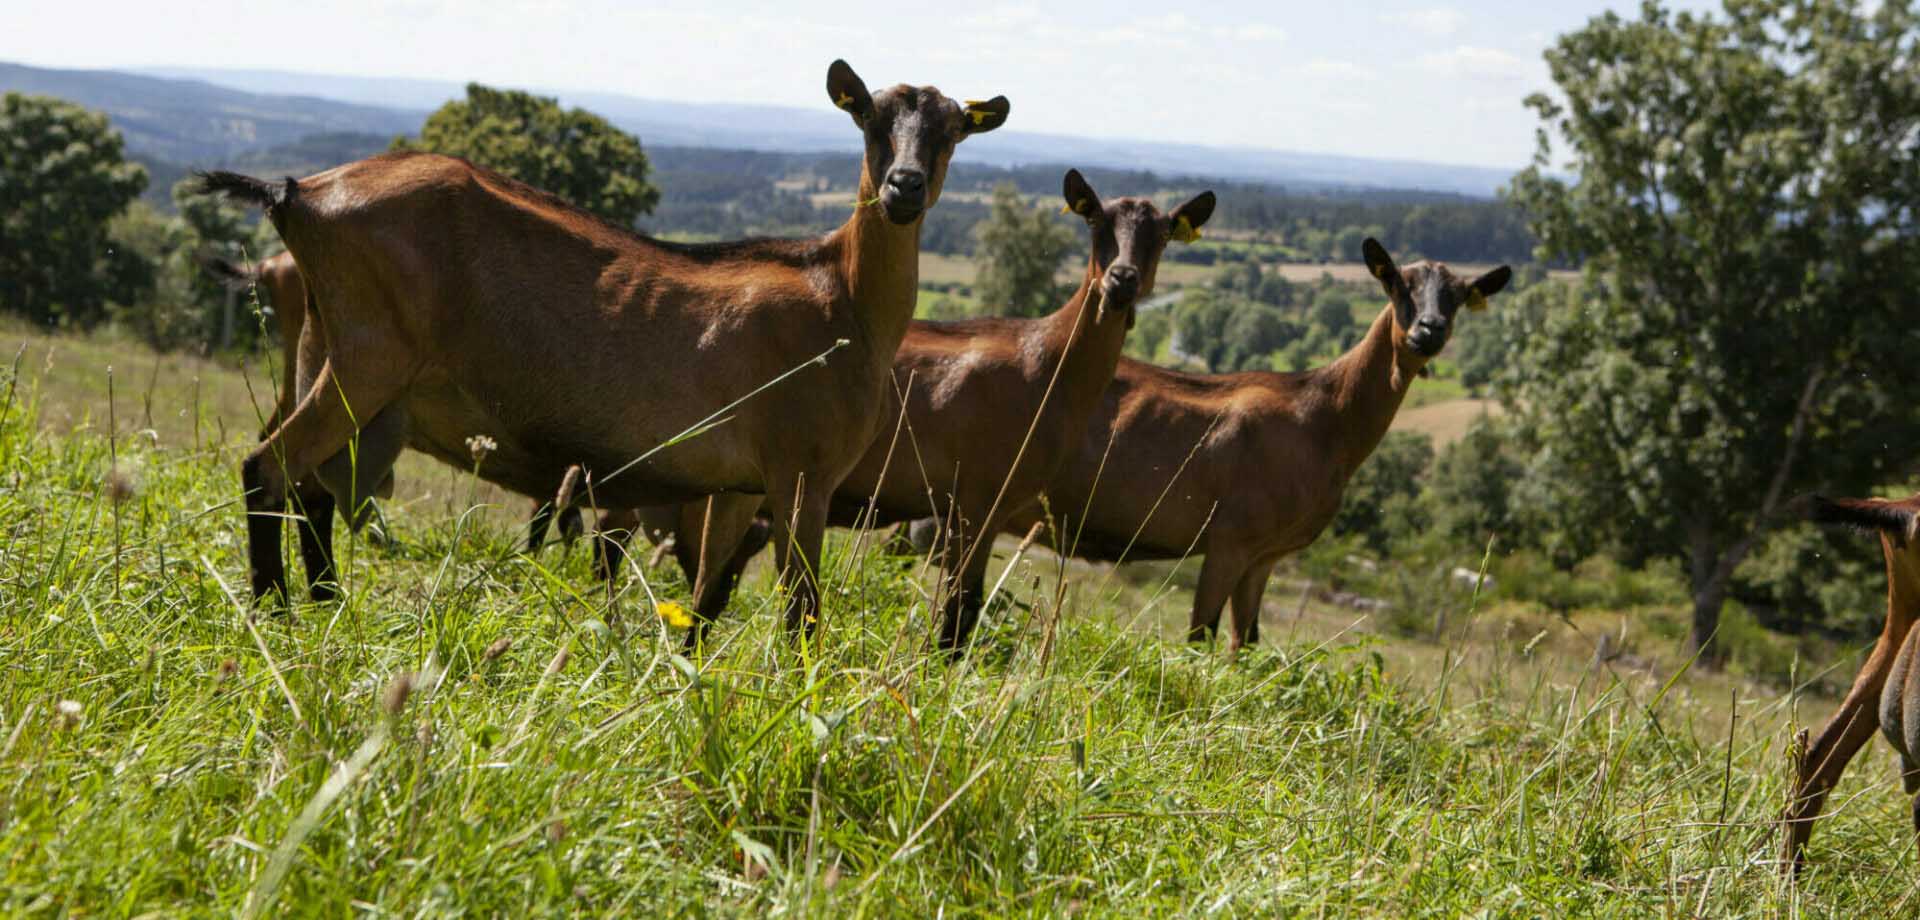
column 433, row 280
column 1246, row 468
column 994, row 406
column 278, row 278
column 1885, row 694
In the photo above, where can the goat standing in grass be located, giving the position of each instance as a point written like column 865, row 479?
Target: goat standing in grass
column 1247, row 468
column 433, row 284
column 992, row 408
column 278, row 278
column 1886, row 692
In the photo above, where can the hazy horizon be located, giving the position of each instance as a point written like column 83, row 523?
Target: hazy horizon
column 1419, row 82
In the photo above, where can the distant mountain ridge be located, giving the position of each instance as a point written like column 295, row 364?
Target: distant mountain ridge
column 197, row 122
column 759, row 127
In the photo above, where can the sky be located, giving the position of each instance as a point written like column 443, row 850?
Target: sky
column 1440, row 82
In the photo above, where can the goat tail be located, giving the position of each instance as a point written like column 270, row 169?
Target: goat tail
column 257, row 192
column 1898, row 521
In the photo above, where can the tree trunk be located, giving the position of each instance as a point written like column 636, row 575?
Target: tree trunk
column 1712, row 564
column 1709, row 588
column 1707, row 603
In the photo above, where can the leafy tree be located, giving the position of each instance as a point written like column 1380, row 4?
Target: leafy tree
column 1020, row 248
column 213, row 228
column 1745, row 200
column 1227, row 332
column 1385, row 487
column 572, row 153
column 1200, row 327
column 1275, row 291
column 1469, row 490
column 63, row 177
column 1150, row 331
column 1332, row 314
column 164, row 313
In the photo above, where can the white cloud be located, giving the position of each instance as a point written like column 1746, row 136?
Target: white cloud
column 1438, row 20
column 1176, row 30
column 1476, row 62
column 1259, row 32
column 1002, row 18
column 1328, row 67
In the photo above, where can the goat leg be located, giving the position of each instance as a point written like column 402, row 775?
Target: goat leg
column 1246, row 605
column 1220, row 572
column 267, row 571
column 537, row 524
column 316, row 540
column 1851, row 726
column 799, row 529
column 708, row 543
column 611, row 535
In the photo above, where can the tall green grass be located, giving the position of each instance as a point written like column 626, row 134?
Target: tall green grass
column 475, row 731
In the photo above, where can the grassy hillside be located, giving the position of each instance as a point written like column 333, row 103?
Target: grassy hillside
column 473, row 729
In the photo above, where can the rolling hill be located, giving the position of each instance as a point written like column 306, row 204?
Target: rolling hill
column 202, row 116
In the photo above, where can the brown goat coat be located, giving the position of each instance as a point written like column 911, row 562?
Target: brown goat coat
column 1884, row 694
column 993, row 407
column 279, row 278
column 435, row 283
column 1241, row 468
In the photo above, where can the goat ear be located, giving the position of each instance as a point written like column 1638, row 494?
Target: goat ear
column 1188, row 218
column 986, row 115
column 849, row 93
column 1081, row 198
column 1381, row 266
column 1486, row 286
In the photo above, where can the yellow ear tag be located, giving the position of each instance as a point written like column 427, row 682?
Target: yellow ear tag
column 1183, row 230
column 1066, row 209
column 845, row 101
column 1379, row 271
column 978, row 114
column 1475, row 299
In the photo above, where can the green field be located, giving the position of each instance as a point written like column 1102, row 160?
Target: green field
column 479, row 732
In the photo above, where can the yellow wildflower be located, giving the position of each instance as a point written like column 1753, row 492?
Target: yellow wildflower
column 676, row 615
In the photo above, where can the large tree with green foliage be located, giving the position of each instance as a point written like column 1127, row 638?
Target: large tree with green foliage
column 63, row 177
column 1020, row 248
column 572, row 153
column 214, row 229
column 1744, row 192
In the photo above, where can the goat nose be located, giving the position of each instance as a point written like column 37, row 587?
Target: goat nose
column 909, row 181
column 1123, row 274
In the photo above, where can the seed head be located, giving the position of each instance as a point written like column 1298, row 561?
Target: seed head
column 480, row 446
column 121, row 485
column 67, row 715
column 498, row 648
column 395, row 699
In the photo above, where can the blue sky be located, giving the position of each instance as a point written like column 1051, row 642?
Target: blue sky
column 1418, row 80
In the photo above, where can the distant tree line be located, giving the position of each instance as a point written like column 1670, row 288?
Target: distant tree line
column 727, row 193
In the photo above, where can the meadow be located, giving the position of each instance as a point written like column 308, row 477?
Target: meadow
column 473, row 730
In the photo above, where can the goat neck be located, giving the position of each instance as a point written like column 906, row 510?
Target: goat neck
column 1368, row 384
column 881, row 265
